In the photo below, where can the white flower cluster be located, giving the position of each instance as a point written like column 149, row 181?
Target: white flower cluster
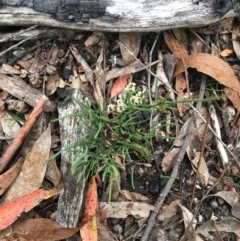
column 130, row 96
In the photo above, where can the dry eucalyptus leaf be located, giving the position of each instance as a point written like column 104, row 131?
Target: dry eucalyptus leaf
column 168, row 211
column 33, row 169
column 234, row 97
column 230, row 197
column 227, row 224
column 216, row 68
column 8, row 177
column 177, row 49
column 123, row 209
column 129, row 46
column 53, row 173
column 133, row 196
column 168, row 159
column 41, row 229
column 203, row 169
column 180, row 86
column 161, row 78
column 188, row 218
column 236, row 210
column 52, row 83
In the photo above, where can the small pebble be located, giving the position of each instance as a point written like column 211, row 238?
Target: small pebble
column 214, row 204
column 200, row 218
column 118, row 228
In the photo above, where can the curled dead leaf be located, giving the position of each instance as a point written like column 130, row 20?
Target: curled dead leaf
column 216, row 68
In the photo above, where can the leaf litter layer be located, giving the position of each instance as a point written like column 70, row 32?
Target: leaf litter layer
column 143, row 111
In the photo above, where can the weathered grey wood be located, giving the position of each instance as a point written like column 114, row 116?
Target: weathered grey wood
column 71, row 200
column 18, row 88
column 127, row 15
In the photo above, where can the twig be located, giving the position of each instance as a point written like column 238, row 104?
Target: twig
column 22, row 134
column 216, row 126
column 18, row 88
column 88, row 71
column 15, row 45
column 8, row 37
column 150, row 61
column 162, row 79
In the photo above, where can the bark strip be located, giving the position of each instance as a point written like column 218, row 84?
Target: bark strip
column 71, row 200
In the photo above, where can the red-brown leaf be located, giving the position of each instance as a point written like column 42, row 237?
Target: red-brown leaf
column 119, row 85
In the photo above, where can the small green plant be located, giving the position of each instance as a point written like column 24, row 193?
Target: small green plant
column 118, row 135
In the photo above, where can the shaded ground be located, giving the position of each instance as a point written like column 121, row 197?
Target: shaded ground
column 191, row 173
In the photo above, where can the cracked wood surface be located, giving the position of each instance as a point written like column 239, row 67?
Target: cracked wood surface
column 71, row 199
column 126, row 16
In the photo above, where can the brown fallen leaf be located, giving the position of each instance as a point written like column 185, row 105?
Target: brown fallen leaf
column 33, row 169
column 231, row 198
column 7, row 178
column 180, row 86
column 133, row 196
column 104, row 232
column 41, row 229
column 52, row 83
column 216, row 68
column 226, row 224
column 202, row 169
column 129, row 46
column 177, row 49
column 168, row 211
column 123, row 209
column 188, row 218
column 89, row 231
column 53, row 174
column 22, row 134
column 119, row 85
column 234, row 98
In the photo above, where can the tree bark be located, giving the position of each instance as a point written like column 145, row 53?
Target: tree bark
column 130, row 16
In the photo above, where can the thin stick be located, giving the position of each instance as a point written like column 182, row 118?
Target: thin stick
column 22, row 134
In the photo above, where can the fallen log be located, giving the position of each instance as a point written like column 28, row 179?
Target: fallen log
column 125, row 15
